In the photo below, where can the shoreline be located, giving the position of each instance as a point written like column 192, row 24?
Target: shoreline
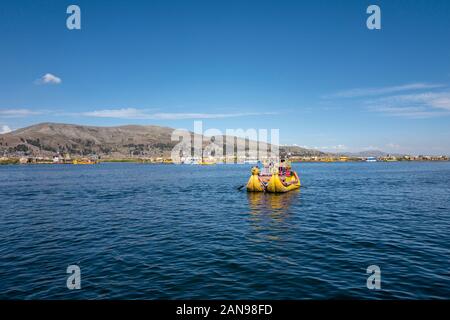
column 17, row 161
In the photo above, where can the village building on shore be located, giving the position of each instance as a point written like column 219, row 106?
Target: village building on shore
column 67, row 159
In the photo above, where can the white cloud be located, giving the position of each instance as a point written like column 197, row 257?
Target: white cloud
column 17, row 113
column 370, row 148
column 48, row 78
column 126, row 113
column 132, row 113
column 364, row 92
column 335, row 148
column 177, row 116
column 440, row 100
column 414, row 100
column 420, row 105
column 339, row 147
column 393, row 146
column 5, row 129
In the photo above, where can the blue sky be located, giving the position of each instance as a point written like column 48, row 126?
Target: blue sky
column 311, row 69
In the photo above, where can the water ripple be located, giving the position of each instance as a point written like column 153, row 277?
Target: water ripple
column 168, row 232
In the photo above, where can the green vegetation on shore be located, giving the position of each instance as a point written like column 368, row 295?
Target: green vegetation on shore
column 9, row 161
column 120, row 160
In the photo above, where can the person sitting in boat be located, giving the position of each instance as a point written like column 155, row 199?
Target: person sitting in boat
column 262, row 180
column 282, row 168
column 290, row 179
column 267, row 168
column 259, row 164
column 288, row 169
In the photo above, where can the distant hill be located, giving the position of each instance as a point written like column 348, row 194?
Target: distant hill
column 301, row 152
column 48, row 139
column 370, row 153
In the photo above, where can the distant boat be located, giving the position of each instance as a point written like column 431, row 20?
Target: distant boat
column 208, row 163
column 371, row 159
column 84, row 161
column 251, row 161
column 190, row 160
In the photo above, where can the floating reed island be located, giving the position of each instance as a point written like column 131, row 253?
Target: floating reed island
column 57, row 143
column 93, row 159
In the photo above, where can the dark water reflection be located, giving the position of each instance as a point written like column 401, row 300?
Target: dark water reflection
column 270, row 213
column 146, row 231
column 272, row 203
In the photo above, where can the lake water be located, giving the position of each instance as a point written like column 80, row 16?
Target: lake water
column 169, row 232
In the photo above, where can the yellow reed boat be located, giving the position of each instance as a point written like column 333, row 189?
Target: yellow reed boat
column 208, row 162
column 255, row 184
column 84, row 161
column 274, row 184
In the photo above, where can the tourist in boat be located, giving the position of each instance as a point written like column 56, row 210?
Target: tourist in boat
column 288, row 169
column 266, row 168
column 273, row 179
column 282, row 168
column 262, row 179
column 290, row 180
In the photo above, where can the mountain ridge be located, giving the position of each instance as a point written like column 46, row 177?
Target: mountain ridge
column 48, row 139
